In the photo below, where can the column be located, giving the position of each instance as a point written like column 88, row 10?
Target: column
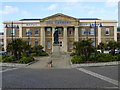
column 99, row 35
column 20, row 30
column 43, row 37
column 76, row 35
column 65, row 45
column 115, row 33
column 5, row 39
column 53, row 30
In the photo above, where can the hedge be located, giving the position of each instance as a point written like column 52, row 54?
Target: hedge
column 25, row 60
column 7, row 58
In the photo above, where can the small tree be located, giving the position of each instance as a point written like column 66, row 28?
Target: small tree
column 102, row 46
column 85, row 48
column 112, row 46
column 37, row 49
column 17, row 47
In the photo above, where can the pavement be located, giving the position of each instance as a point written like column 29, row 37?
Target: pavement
column 61, row 76
column 62, row 62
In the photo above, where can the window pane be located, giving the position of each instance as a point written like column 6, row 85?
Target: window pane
column 70, row 45
column 70, row 31
column 48, row 45
column 48, row 31
column 36, row 31
column 36, row 43
column 107, row 31
column 13, row 31
column 59, row 30
column 92, row 31
column 27, row 30
column 83, row 31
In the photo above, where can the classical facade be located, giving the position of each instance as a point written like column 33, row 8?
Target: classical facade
column 118, row 34
column 1, row 41
column 70, row 30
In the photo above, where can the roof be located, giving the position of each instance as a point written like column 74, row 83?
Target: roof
column 28, row 19
column 89, row 19
column 78, row 18
column 118, row 29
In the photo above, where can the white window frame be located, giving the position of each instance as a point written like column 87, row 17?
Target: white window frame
column 71, row 31
column 37, row 31
column 60, row 31
column 83, row 31
column 27, row 30
column 107, row 30
column 92, row 31
column 13, row 31
column 48, row 31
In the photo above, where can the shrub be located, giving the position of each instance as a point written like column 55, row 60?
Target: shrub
column 25, row 60
column 4, row 56
column 10, row 58
column 93, row 58
column 33, row 54
column 43, row 54
column 73, row 54
column 24, row 54
column 102, row 57
column 118, row 59
column 77, row 59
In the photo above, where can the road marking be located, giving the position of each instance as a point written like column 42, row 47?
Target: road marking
column 8, row 70
column 115, row 82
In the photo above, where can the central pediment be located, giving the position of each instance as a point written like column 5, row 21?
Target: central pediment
column 59, row 16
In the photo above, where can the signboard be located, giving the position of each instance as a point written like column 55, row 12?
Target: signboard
column 87, row 24
column 58, row 22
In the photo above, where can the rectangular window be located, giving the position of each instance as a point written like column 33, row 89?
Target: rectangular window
column 48, row 45
column 36, row 31
column 92, row 31
column 83, row 31
column 36, row 43
column 70, row 45
column 70, row 31
column 107, row 31
column 13, row 31
column 59, row 30
column 27, row 31
column 48, row 31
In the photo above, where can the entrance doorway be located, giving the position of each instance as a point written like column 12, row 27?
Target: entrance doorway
column 60, row 33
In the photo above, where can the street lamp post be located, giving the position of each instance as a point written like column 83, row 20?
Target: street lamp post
column 95, row 34
column 29, row 33
column 12, row 26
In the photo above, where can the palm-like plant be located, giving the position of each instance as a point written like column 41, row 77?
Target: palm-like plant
column 37, row 49
column 102, row 46
column 17, row 47
column 112, row 46
column 85, row 48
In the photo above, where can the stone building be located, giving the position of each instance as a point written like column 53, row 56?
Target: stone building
column 1, row 41
column 71, row 29
column 118, row 34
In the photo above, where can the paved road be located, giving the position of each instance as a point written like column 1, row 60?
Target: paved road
column 61, row 75
column 58, row 78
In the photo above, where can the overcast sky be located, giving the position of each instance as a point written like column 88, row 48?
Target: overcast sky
column 11, row 11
